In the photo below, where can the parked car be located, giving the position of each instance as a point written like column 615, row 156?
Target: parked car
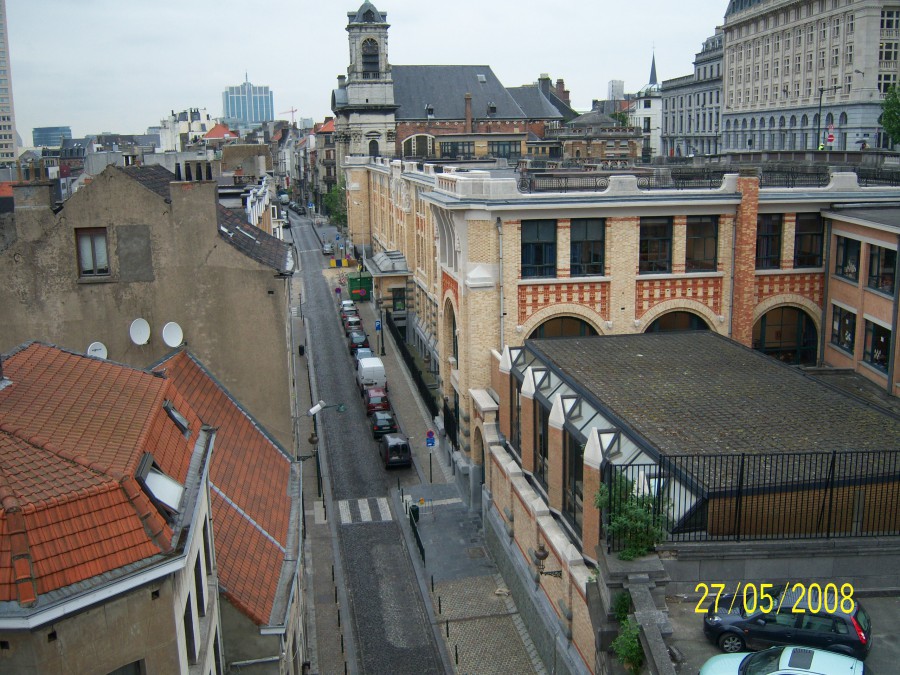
column 376, row 398
column 785, row 661
column 394, row 450
column 351, row 323
column 346, row 304
column 348, row 311
column 800, row 618
column 357, row 339
column 327, row 248
column 382, row 422
column 363, row 353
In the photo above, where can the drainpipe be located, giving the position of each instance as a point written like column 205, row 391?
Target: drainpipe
column 734, row 228
column 826, row 262
column 892, row 354
column 502, row 311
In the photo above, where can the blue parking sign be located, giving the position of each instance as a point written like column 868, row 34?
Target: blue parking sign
column 377, row 325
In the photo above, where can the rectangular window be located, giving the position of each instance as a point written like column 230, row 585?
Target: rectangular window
column 808, row 238
column 655, row 256
column 882, row 265
column 507, row 149
column 573, row 482
column 878, row 346
column 541, row 442
column 702, row 243
column 888, row 51
column 93, row 260
column 538, row 248
column 846, row 258
column 588, row 245
column 768, row 241
column 515, row 416
column 458, row 149
column 843, row 328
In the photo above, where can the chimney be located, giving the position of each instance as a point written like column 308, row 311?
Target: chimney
column 561, row 92
column 342, row 81
column 468, row 113
column 32, row 204
column 544, row 83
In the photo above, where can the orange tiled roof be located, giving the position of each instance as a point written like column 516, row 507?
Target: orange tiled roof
column 6, row 189
column 73, row 430
column 221, row 131
column 249, row 485
column 326, row 128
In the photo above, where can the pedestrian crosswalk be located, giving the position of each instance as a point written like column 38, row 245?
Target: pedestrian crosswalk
column 372, row 509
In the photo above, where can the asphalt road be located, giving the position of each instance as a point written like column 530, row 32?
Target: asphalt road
column 391, row 628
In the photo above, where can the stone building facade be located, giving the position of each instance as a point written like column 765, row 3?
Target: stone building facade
column 137, row 244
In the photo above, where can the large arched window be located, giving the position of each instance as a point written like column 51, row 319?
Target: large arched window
column 370, row 59
column 787, row 334
column 673, row 321
column 563, row 326
column 373, row 148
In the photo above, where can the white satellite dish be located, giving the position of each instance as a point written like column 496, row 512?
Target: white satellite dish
column 139, row 331
column 172, row 334
column 97, row 349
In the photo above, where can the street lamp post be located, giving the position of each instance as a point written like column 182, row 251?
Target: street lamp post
column 314, row 439
column 822, row 91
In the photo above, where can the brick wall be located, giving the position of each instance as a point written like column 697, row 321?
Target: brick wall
column 745, row 260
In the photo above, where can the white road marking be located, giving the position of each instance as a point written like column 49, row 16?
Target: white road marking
column 364, row 514
column 384, row 508
column 344, row 507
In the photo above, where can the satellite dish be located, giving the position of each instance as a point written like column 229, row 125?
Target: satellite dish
column 97, row 349
column 172, row 334
column 139, row 331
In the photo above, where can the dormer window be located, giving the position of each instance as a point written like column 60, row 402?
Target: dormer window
column 180, row 420
column 165, row 491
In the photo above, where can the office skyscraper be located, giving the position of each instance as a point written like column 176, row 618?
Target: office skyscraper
column 51, row 137
column 248, row 104
column 7, row 109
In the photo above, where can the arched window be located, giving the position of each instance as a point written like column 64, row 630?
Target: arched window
column 675, row 321
column 793, row 121
column 370, row 59
column 842, row 120
column 373, row 148
column 804, row 121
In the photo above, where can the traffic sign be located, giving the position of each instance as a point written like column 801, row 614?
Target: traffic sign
column 377, row 326
column 429, row 434
column 337, row 237
column 830, row 138
column 429, row 442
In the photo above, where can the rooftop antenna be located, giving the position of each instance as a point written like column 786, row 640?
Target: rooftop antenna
column 139, row 331
column 172, row 335
column 97, row 349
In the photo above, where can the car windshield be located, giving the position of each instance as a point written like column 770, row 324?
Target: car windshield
column 761, row 663
column 376, row 399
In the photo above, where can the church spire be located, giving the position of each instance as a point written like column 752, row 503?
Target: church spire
column 653, row 79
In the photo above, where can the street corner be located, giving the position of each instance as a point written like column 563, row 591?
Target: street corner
column 689, row 646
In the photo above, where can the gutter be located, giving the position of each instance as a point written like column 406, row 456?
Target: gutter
column 500, row 284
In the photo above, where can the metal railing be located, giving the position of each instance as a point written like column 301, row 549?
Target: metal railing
column 415, row 530
column 877, row 176
column 795, row 177
column 817, row 495
column 425, row 391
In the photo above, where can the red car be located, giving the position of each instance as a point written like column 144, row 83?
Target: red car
column 376, row 398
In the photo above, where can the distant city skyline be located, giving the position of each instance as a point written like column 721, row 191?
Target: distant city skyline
column 144, row 59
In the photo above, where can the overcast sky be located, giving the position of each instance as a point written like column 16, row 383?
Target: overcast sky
column 122, row 65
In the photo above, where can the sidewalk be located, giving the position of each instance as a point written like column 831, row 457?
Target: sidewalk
column 471, row 610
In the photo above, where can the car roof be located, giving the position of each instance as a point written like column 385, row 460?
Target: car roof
column 354, row 333
column 370, row 361
column 819, row 661
column 392, row 439
column 382, row 413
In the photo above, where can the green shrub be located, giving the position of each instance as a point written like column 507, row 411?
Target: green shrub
column 627, row 646
column 637, row 520
column 621, row 605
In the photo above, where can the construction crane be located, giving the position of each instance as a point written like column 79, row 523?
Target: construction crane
column 291, row 111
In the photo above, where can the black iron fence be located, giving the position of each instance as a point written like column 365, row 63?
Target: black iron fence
column 426, row 392
column 813, row 176
column 754, row 497
column 877, row 176
column 413, row 525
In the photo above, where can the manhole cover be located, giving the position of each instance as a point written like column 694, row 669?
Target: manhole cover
column 476, row 552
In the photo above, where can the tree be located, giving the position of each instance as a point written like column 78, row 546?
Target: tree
column 637, row 520
column 890, row 119
column 622, row 118
column 336, row 204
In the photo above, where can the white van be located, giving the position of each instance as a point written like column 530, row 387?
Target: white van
column 370, row 373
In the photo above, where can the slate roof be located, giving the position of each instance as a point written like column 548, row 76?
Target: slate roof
column 444, row 89
column 593, row 118
column 360, row 15
column 154, row 177
column 256, row 529
column 887, row 216
column 254, row 242
column 73, row 430
column 534, row 103
column 700, row 393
